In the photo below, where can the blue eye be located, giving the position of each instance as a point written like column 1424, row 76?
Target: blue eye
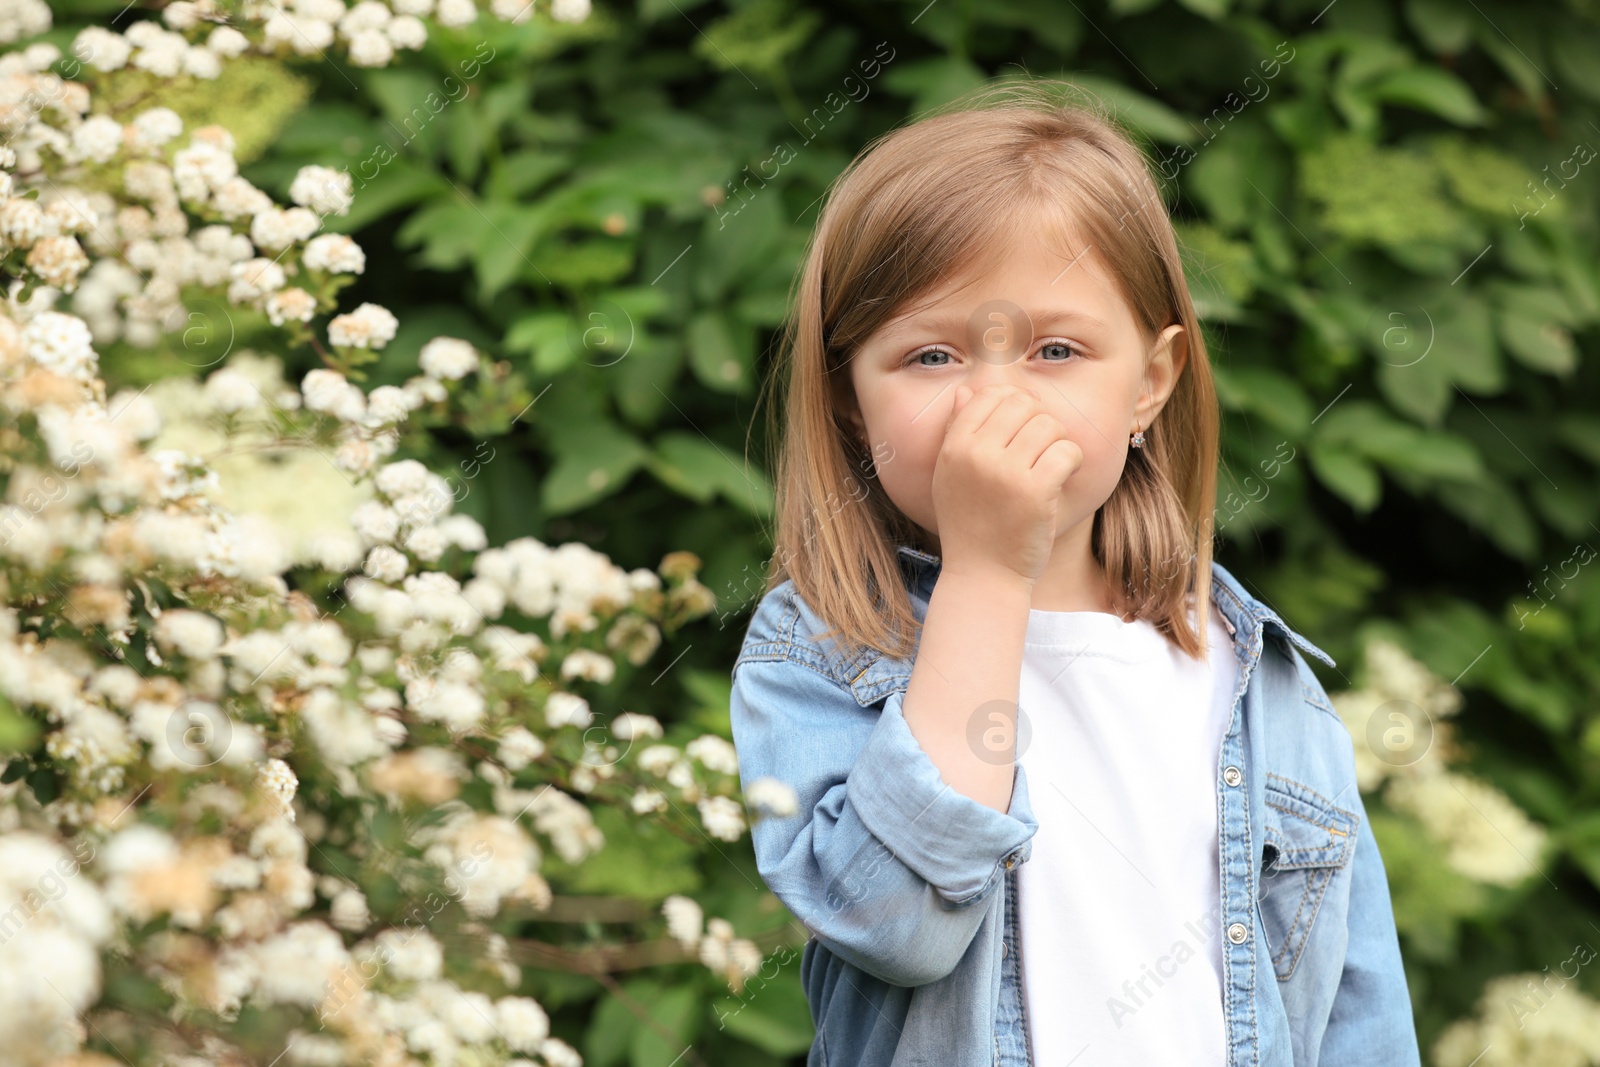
column 1049, row 352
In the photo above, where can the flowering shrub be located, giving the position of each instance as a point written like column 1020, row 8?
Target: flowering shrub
column 1405, row 744
column 295, row 782
column 1456, row 848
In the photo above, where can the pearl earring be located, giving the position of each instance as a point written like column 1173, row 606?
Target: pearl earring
column 1136, row 439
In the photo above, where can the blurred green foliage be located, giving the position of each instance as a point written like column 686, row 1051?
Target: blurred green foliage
column 1391, row 231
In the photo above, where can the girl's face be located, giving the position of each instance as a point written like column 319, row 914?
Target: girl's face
column 1054, row 325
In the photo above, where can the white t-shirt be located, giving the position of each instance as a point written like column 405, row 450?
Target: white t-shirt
column 1119, row 903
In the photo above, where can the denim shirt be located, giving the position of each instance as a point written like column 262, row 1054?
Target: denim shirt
column 908, row 887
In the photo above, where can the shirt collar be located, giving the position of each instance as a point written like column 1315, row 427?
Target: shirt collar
column 1238, row 607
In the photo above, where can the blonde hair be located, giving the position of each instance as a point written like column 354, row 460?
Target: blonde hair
column 914, row 201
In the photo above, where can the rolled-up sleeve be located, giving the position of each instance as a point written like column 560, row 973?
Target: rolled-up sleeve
column 950, row 840
column 883, row 861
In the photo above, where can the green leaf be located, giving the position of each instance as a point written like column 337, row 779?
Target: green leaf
column 699, row 470
column 1574, row 50
column 1043, row 21
column 1221, row 272
column 583, row 263
column 718, row 359
column 1421, row 389
column 547, row 336
column 640, row 859
column 1443, row 25
column 509, row 232
column 391, row 187
column 1211, row 9
column 756, row 37
column 403, row 95
column 772, row 1013
column 1497, row 37
column 1363, row 427
column 1227, row 172
column 447, row 230
column 504, row 101
column 643, row 381
column 18, row 733
column 654, row 10
column 687, row 464
column 523, row 173
column 496, row 237
column 465, row 134
column 328, row 126
column 1581, row 433
column 712, row 692
column 1491, row 506
column 932, row 82
column 1533, row 324
column 1464, row 340
column 733, row 245
column 1347, row 475
column 638, row 302
column 678, row 1012
column 1431, row 89
column 611, row 1028
column 1433, row 453
column 1569, row 512
column 595, row 460
column 1544, row 703
column 1269, row 393
column 1142, row 114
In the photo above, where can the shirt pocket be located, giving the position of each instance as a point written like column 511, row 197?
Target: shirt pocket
column 1307, row 843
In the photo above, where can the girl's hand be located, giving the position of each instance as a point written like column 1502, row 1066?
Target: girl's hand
column 997, row 482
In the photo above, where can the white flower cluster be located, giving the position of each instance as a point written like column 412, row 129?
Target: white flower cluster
column 1403, row 746
column 1533, row 1018
column 267, row 257
column 430, row 1015
column 731, row 958
column 234, row 418
column 368, row 31
column 197, row 713
column 571, row 584
column 1484, row 834
column 486, row 858
column 57, row 922
column 22, row 19
column 238, row 677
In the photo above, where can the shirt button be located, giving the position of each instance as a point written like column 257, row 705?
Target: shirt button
column 1232, row 776
column 1237, row 933
column 1002, row 950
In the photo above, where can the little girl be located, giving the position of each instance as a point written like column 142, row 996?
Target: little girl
column 1067, row 793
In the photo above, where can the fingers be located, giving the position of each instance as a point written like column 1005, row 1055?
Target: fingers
column 972, row 408
column 1058, row 461
column 996, row 408
column 1037, row 434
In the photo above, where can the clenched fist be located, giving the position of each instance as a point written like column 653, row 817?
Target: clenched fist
column 997, row 482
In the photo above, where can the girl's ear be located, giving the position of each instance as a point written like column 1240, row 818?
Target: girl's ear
column 1165, row 364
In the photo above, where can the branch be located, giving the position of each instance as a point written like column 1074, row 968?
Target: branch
column 597, row 960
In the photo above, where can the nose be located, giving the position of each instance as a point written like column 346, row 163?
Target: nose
column 985, row 373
